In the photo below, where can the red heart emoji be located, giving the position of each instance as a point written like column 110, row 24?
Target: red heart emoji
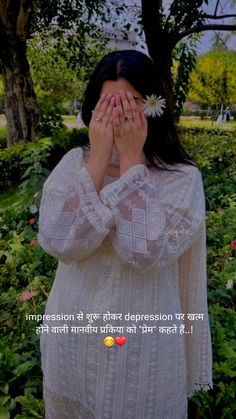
column 120, row 341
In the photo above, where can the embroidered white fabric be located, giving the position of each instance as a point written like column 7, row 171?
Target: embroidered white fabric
column 139, row 246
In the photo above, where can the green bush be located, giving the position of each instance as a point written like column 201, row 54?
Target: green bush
column 3, row 138
column 50, row 117
column 10, row 169
column 11, row 166
column 216, row 157
column 215, row 153
column 208, row 131
column 23, row 266
column 14, row 161
column 67, row 139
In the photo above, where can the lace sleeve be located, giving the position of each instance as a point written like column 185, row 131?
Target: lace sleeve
column 155, row 224
column 72, row 219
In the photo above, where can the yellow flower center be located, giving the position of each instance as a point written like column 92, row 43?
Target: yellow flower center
column 153, row 102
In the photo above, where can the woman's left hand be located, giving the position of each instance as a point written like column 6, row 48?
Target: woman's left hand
column 129, row 126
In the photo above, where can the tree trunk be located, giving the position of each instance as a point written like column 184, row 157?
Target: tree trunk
column 21, row 106
column 159, row 47
column 162, row 57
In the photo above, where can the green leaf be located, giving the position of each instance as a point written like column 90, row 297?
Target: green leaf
column 5, row 388
column 4, row 413
column 26, row 366
column 4, row 400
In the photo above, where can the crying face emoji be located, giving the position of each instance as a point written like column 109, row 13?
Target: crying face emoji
column 109, row 341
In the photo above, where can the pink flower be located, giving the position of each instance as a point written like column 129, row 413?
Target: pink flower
column 233, row 244
column 32, row 221
column 33, row 243
column 28, row 295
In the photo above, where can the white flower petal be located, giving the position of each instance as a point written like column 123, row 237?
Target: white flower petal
column 153, row 105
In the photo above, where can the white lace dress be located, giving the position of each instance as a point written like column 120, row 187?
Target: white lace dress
column 138, row 247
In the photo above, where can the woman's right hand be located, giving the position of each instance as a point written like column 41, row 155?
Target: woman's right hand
column 101, row 129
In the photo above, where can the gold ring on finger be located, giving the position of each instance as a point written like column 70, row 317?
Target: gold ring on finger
column 98, row 119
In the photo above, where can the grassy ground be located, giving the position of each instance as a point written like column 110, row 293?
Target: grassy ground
column 66, row 118
column 186, row 121
column 2, row 131
column 189, row 121
column 69, row 118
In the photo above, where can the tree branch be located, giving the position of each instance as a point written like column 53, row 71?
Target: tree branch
column 3, row 8
column 218, row 17
column 151, row 23
column 202, row 28
column 216, row 8
column 12, row 11
column 22, row 20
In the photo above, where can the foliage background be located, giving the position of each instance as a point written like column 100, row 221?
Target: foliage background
column 213, row 81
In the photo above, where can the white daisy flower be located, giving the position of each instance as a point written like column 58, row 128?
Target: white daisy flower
column 153, row 105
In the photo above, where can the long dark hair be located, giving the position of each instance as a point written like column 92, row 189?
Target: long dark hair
column 162, row 144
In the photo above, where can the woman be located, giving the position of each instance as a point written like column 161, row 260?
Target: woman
column 125, row 216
